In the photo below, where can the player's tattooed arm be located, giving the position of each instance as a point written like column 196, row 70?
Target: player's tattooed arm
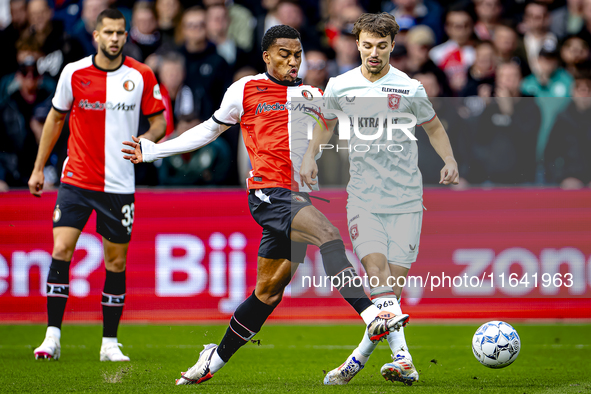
column 51, row 132
column 321, row 135
column 440, row 142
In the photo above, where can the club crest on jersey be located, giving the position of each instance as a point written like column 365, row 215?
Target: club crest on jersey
column 307, row 94
column 57, row 214
column 128, row 85
column 393, row 101
column 354, row 232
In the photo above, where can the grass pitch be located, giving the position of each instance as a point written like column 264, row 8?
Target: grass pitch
column 293, row 358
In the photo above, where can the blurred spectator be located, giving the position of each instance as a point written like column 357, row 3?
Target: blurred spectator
column 399, row 57
column 208, row 74
column 409, row 13
column 419, row 40
column 508, row 46
column 58, row 48
column 501, row 148
column 446, row 108
column 83, row 29
column 488, row 13
column 536, row 22
column 567, row 153
column 568, row 19
column 347, row 54
column 585, row 31
column 217, row 25
column 551, row 89
column 574, row 52
column 206, row 166
column 242, row 23
column 290, row 13
column 144, row 29
column 481, row 76
column 10, row 35
column 168, row 15
column 171, row 75
column 457, row 54
column 23, row 115
column 341, row 16
column 317, row 65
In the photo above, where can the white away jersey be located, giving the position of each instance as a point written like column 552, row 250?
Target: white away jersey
column 104, row 111
column 385, row 176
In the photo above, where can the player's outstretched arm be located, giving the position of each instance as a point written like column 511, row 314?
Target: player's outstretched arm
column 51, row 132
column 144, row 150
column 440, row 142
column 309, row 168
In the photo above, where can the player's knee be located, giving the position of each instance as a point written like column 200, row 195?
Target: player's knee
column 62, row 250
column 115, row 264
column 329, row 233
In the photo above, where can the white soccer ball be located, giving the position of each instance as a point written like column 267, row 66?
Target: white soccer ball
column 496, row 344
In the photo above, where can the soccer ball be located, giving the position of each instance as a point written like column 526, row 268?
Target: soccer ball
column 496, row 344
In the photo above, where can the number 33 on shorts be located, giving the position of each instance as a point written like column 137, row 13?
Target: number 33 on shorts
column 128, row 212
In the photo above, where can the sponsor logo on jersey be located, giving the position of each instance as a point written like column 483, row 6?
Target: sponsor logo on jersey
column 394, row 101
column 264, row 107
column 307, row 95
column 157, row 94
column 128, row 85
column 98, row 106
column 395, row 90
column 353, row 218
column 354, row 232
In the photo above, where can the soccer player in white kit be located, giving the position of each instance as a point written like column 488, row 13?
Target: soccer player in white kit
column 384, row 206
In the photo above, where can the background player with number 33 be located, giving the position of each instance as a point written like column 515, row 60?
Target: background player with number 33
column 104, row 94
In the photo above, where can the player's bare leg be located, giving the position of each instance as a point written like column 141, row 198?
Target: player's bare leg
column 273, row 275
column 58, row 290
column 113, row 299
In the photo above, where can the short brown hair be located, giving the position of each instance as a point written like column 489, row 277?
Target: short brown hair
column 382, row 24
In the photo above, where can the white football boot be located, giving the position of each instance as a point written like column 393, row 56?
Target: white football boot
column 384, row 323
column 401, row 369
column 199, row 372
column 111, row 352
column 344, row 373
column 49, row 349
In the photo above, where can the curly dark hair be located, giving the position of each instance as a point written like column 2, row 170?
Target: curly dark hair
column 382, row 24
column 279, row 31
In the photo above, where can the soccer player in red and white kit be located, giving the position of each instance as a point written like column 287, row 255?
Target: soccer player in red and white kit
column 263, row 106
column 104, row 94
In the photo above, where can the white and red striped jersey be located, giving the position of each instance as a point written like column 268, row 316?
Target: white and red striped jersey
column 274, row 117
column 104, row 111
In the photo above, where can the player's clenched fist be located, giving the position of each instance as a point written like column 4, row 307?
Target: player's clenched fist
column 36, row 183
column 135, row 153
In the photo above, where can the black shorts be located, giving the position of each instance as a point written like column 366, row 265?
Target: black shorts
column 114, row 212
column 274, row 209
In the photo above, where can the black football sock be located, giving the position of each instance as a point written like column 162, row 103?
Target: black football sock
column 113, row 302
column 343, row 275
column 247, row 320
column 58, row 291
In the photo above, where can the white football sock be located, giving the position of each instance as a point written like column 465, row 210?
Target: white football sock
column 396, row 339
column 366, row 346
column 53, row 332
column 109, row 340
column 216, row 363
column 359, row 356
column 369, row 314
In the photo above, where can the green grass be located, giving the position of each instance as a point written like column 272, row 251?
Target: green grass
column 292, row 358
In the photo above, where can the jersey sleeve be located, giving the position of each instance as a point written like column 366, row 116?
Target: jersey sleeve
column 330, row 101
column 63, row 98
column 230, row 111
column 422, row 107
column 152, row 103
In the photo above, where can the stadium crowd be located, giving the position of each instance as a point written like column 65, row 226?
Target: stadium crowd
column 511, row 81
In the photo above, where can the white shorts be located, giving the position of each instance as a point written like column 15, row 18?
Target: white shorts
column 395, row 235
